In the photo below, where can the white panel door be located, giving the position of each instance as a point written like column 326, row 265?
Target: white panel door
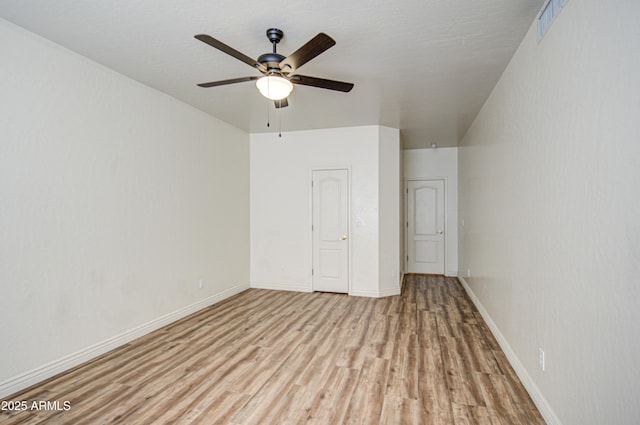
column 425, row 226
column 330, row 225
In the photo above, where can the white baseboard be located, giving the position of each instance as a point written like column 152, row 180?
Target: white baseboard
column 301, row 288
column 536, row 395
column 39, row 374
column 389, row 292
column 373, row 293
column 281, row 287
column 364, row 293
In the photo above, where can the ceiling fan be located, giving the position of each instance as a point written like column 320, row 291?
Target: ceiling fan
column 277, row 70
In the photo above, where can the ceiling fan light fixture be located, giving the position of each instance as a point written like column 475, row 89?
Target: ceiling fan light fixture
column 274, row 87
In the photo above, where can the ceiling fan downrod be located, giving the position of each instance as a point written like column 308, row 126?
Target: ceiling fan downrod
column 272, row 60
column 274, row 35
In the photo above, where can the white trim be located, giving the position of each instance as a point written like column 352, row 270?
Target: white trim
column 375, row 294
column 389, row 292
column 536, row 395
column 370, row 293
column 281, row 287
column 39, row 374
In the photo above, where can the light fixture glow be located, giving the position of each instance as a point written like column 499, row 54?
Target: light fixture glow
column 274, row 87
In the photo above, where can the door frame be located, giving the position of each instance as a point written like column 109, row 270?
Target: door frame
column 349, row 227
column 405, row 225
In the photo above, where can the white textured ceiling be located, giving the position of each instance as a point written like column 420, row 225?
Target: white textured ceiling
column 424, row 66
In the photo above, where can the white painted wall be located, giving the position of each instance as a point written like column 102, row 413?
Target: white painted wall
column 440, row 163
column 389, row 196
column 549, row 193
column 281, row 203
column 115, row 200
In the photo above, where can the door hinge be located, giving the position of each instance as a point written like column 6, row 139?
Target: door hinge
column 407, row 258
column 311, row 272
column 407, row 191
column 407, row 224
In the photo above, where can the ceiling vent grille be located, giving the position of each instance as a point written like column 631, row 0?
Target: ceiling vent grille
column 550, row 10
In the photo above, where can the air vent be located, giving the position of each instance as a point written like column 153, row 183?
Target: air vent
column 549, row 12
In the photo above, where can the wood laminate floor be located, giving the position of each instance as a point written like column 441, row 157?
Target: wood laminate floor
column 270, row 357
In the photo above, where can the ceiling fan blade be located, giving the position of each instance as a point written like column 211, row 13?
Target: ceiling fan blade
column 304, row 54
column 230, row 51
column 225, row 82
column 282, row 103
column 322, row 83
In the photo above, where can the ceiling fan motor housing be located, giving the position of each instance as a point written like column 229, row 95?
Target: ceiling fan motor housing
column 271, row 61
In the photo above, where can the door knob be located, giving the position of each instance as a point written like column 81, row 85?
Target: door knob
column 343, row 238
column 440, row 232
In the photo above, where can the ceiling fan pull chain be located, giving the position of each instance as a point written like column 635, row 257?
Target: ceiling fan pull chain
column 279, row 123
column 268, row 124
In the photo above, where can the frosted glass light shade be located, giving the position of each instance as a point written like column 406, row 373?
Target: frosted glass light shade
column 274, row 88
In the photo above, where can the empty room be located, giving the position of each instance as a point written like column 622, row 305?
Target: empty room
column 363, row 212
